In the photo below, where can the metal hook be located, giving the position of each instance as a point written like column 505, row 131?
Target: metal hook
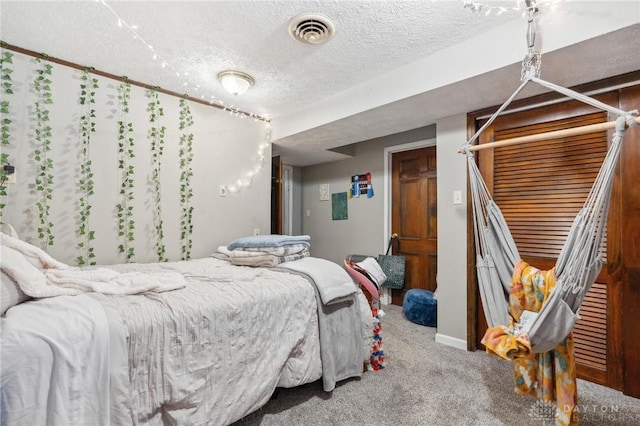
column 531, row 61
column 531, row 30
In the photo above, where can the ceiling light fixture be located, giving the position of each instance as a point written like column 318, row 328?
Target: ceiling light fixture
column 235, row 82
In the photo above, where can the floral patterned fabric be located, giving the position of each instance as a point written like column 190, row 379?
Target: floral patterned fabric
column 549, row 376
column 377, row 354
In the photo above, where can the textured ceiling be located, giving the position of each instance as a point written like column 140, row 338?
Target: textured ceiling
column 202, row 38
column 197, row 40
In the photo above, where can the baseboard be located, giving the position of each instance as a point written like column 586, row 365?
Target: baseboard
column 451, row 341
column 385, row 296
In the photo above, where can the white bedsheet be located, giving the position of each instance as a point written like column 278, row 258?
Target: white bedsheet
column 219, row 347
column 54, row 363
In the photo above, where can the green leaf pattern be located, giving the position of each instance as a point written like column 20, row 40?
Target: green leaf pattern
column 156, row 136
column 186, row 173
column 85, row 184
column 44, row 164
column 124, row 209
column 6, row 61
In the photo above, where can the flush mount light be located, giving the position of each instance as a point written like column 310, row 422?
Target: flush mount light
column 235, row 82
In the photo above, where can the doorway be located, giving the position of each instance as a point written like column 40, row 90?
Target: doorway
column 287, row 200
column 411, row 200
column 281, row 197
column 276, row 195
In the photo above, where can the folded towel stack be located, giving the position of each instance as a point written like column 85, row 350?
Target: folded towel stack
column 266, row 250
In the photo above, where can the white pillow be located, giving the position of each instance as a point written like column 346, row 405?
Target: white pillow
column 10, row 293
column 5, row 228
column 374, row 270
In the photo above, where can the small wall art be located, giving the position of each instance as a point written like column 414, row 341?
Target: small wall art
column 339, row 206
column 361, row 185
column 324, row 192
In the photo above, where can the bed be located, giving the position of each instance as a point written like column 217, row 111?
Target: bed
column 208, row 346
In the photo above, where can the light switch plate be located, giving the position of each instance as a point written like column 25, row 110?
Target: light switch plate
column 457, row 197
column 223, row 191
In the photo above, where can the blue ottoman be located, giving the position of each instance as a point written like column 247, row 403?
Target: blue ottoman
column 421, row 307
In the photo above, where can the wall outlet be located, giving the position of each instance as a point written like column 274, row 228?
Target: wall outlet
column 223, row 191
column 256, row 231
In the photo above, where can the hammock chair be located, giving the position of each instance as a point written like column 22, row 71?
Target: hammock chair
column 531, row 313
column 540, row 341
column 579, row 261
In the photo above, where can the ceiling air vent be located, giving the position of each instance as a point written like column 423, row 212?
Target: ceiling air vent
column 311, row 28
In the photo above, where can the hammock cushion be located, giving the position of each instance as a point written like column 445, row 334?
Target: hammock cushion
column 549, row 376
column 420, row 306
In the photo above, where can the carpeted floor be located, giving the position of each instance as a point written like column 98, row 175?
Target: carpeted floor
column 427, row 383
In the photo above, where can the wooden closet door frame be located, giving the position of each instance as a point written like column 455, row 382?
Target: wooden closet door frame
column 474, row 120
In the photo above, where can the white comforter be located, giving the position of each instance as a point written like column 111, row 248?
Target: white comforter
column 40, row 275
column 216, row 351
column 218, row 348
column 54, row 363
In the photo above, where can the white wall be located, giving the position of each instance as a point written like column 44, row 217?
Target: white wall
column 364, row 230
column 452, row 232
column 225, row 149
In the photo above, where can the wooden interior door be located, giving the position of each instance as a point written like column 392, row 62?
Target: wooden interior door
column 414, row 217
column 540, row 187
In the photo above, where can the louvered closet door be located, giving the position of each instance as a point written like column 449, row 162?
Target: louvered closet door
column 540, row 187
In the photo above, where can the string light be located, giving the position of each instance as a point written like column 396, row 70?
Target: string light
column 166, row 63
column 248, row 181
column 488, row 9
column 520, row 6
column 478, row 7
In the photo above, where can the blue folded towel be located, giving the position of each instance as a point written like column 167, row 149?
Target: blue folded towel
column 268, row 241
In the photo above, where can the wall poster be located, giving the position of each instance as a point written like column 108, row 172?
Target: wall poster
column 339, row 206
column 361, row 185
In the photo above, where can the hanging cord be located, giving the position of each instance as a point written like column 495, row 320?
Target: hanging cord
column 575, row 261
column 530, row 68
column 533, row 60
column 583, row 98
column 531, row 72
column 464, row 149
